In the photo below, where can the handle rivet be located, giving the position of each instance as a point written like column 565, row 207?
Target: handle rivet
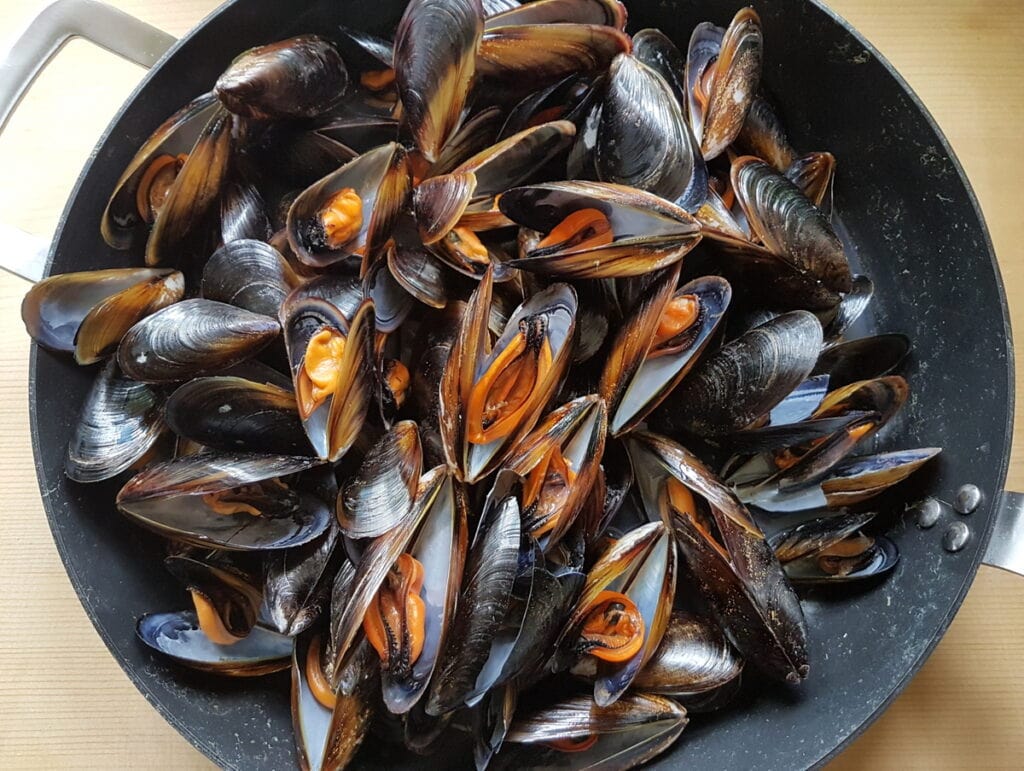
column 967, row 499
column 956, row 536
column 928, row 513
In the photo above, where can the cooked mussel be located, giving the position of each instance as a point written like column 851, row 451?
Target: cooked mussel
column 89, row 312
column 723, row 71
column 352, row 210
column 234, row 414
column 726, row 556
column 379, row 495
column 249, row 274
column 119, row 423
column 179, row 636
column 734, row 386
column 301, row 77
column 227, row 501
column 622, row 613
column 559, row 461
column 141, row 190
column 608, row 12
column 642, row 137
column 694, row 658
column 598, row 230
column 659, row 344
column 492, row 396
column 226, row 597
column 435, row 58
column 297, row 582
column 833, row 549
column 574, row 733
column 192, row 338
column 331, row 361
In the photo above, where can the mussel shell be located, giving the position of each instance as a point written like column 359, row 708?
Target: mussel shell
column 649, row 232
column 653, row 379
column 701, row 53
column 243, row 214
column 249, row 274
column 813, row 174
column 233, row 593
column 653, row 48
column 178, row 636
column 381, row 179
column 191, row 338
column 734, row 85
column 630, row 732
column 862, row 358
column 853, row 305
column 764, row 136
column 789, row 225
column 694, row 657
column 643, row 140
column 439, row 202
column 235, row 414
column 607, row 12
column 194, row 193
column 297, row 582
column 334, row 425
column 420, row 273
column 435, row 58
column 483, row 602
column 120, row 421
column 378, row 497
column 734, row 568
column 301, row 77
column 801, row 402
column 569, row 99
column 174, row 136
column 809, row 538
column 743, row 380
column 89, row 312
column 168, row 498
column 517, row 60
column 879, row 559
column 858, row 479
column 479, row 132
column 440, row 546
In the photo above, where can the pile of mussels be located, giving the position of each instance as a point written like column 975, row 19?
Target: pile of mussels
column 438, row 344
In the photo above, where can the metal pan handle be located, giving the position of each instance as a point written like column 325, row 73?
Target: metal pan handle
column 59, row 22
column 1006, row 548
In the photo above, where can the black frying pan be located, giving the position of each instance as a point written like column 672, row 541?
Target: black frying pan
column 915, row 228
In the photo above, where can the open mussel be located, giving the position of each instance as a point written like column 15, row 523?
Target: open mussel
column 140, row 192
column 726, row 556
column 559, row 462
column 622, row 613
column 301, row 77
column 228, row 501
column 598, row 230
column 491, row 396
column 226, row 597
column 574, row 733
column 297, row 582
column 659, row 344
column 352, row 210
column 88, row 313
column 179, row 636
column 402, row 595
column 723, row 71
column 608, row 12
column 192, row 338
column 331, row 362
column 834, row 550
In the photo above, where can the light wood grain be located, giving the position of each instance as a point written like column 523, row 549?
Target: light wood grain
column 65, row 703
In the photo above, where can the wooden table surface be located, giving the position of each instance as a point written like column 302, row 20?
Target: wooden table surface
column 63, row 700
